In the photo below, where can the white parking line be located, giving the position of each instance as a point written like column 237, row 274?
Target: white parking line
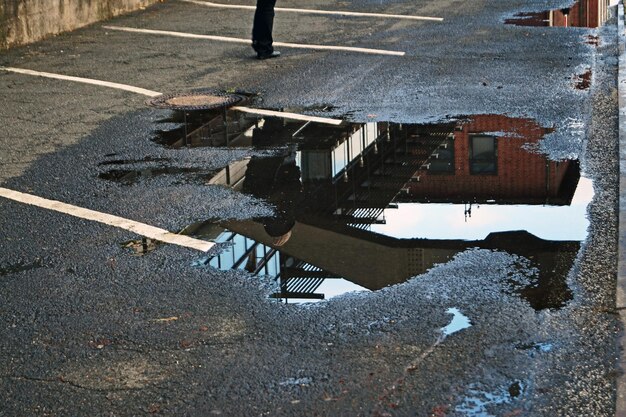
column 150, row 93
column 313, row 11
column 120, row 222
column 117, row 86
column 108, row 219
column 287, row 115
column 248, row 41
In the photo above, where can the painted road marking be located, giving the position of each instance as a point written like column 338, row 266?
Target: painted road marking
column 313, row 11
column 118, row 86
column 287, row 115
column 249, row 42
column 108, row 219
column 150, row 93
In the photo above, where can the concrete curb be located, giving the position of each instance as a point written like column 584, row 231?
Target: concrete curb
column 620, row 406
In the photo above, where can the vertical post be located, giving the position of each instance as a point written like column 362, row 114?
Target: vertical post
column 225, row 125
column 185, row 124
column 283, row 279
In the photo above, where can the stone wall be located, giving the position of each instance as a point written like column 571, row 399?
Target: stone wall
column 25, row 21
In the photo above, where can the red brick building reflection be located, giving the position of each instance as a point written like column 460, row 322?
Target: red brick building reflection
column 486, row 159
column 583, row 13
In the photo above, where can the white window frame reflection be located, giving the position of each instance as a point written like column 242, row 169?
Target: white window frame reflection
column 354, row 146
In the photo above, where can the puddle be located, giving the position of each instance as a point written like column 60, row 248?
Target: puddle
column 583, row 13
column 535, row 348
column 130, row 161
column 593, row 40
column 140, row 247
column 20, row 267
column 206, row 128
column 583, row 81
column 360, row 207
column 477, row 402
column 128, row 177
column 299, row 382
column 458, row 323
column 296, row 280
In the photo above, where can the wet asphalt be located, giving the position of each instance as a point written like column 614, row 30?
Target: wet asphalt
column 87, row 329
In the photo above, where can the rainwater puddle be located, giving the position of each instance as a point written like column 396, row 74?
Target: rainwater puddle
column 299, row 382
column 206, row 128
column 593, row 40
column 535, row 348
column 583, row 13
column 130, row 161
column 458, row 323
column 360, row 207
column 128, row 177
column 140, row 247
column 477, row 402
column 583, row 81
column 20, row 267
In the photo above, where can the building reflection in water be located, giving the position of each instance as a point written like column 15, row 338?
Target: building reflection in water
column 583, row 13
column 334, row 187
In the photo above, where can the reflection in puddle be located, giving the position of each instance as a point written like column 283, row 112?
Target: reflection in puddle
column 129, row 176
column 366, row 206
column 458, row 323
column 583, row 13
column 474, row 221
column 583, row 81
column 535, row 348
column 206, row 128
column 140, row 247
column 593, row 40
column 299, row 382
column 130, row 161
column 477, row 401
column 20, row 267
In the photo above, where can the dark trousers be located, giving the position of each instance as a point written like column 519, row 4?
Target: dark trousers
column 262, row 27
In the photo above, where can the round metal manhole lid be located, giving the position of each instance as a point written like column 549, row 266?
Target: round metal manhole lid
column 197, row 100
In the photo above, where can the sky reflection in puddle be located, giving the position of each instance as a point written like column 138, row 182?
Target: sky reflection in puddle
column 475, row 221
column 458, row 323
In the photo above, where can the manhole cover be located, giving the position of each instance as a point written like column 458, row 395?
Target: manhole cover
column 196, row 100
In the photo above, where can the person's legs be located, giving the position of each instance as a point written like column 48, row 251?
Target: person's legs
column 262, row 27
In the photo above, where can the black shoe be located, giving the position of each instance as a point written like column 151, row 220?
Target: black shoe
column 273, row 54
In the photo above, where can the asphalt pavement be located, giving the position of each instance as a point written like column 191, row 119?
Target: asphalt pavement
column 86, row 328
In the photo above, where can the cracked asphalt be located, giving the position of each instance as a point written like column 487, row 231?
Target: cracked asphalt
column 87, row 329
